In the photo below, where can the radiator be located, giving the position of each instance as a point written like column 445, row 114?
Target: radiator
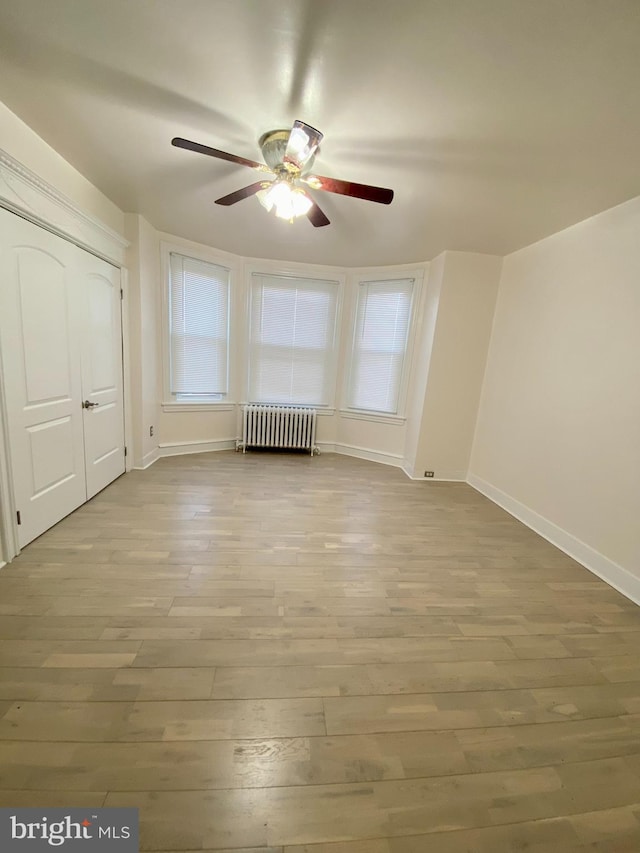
column 279, row 426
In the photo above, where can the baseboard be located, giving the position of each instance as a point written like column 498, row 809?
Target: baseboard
column 612, row 573
column 180, row 448
column 448, row 477
column 325, row 447
column 148, row 459
column 365, row 453
column 441, row 477
column 2, row 564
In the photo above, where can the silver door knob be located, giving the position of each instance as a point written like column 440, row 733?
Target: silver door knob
column 87, row 405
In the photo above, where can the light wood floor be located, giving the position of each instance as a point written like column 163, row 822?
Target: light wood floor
column 292, row 655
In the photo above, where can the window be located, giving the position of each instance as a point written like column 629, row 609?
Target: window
column 292, row 340
column 199, row 329
column 381, row 330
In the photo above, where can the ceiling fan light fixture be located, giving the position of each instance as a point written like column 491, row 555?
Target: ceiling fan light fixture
column 300, row 202
column 302, row 144
column 265, row 201
column 289, row 202
column 292, row 203
column 276, row 195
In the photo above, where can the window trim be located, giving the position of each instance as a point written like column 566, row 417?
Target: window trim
column 204, row 406
column 200, row 253
column 381, row 274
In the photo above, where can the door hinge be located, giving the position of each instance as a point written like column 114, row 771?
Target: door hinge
column 18, row 517
column 125, row 451
column 121, row 294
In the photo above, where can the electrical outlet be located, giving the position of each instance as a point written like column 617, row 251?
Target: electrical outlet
column 151, row 431
column 428, row 473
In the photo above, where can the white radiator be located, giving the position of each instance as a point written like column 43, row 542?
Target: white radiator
column 279, row 426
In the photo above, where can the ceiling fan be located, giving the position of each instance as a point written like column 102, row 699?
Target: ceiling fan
column 289, row 155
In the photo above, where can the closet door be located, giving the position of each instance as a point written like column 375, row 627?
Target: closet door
column 41, row 351
column 102, row 385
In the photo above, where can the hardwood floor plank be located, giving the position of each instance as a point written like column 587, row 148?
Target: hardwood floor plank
column 166, row 720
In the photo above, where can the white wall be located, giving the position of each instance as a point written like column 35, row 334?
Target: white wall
column 18, row 140
column 143, row 304
column 558, row 433
column 150, row 329
column 424, row 347
column 461, row 296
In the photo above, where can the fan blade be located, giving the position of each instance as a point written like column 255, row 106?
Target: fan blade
column 317, row 217
column 245, row 192
column 333, row 185
column 214, row 152
column 302, row 144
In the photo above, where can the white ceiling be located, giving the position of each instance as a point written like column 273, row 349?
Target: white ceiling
column 495, row 122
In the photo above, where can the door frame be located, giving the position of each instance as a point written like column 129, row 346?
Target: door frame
column 30, row 197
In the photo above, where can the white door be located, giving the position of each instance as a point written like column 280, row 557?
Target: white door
column 39, row 324
column 102, row 387
column 61, row 345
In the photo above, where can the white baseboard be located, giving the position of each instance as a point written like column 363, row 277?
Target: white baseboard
column 180, row 448
column 612, row 573
column 325, row 447
column 395, row 460
column 148, row 459
column 2, row 564
column 362, row 453
column 450, row 477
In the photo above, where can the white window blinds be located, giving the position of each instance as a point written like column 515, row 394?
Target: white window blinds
column 199, row 327
column 292, row 340
column 379, row 346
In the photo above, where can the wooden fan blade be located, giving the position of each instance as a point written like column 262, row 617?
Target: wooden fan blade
column 245, row 192
column 333, row 185
column 214, row 152
column 317, row 217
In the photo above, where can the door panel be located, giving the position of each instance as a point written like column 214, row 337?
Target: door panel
column 39, row 325
column 52, row 454
column 102, row 382
column 45, row 326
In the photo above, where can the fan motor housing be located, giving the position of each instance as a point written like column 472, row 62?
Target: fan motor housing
column 273, row 145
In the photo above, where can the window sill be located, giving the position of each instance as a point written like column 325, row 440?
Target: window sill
column 198, row 407
column 373, row 417
column 230, row 407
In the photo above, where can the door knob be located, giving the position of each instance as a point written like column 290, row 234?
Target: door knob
column 88, row 405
